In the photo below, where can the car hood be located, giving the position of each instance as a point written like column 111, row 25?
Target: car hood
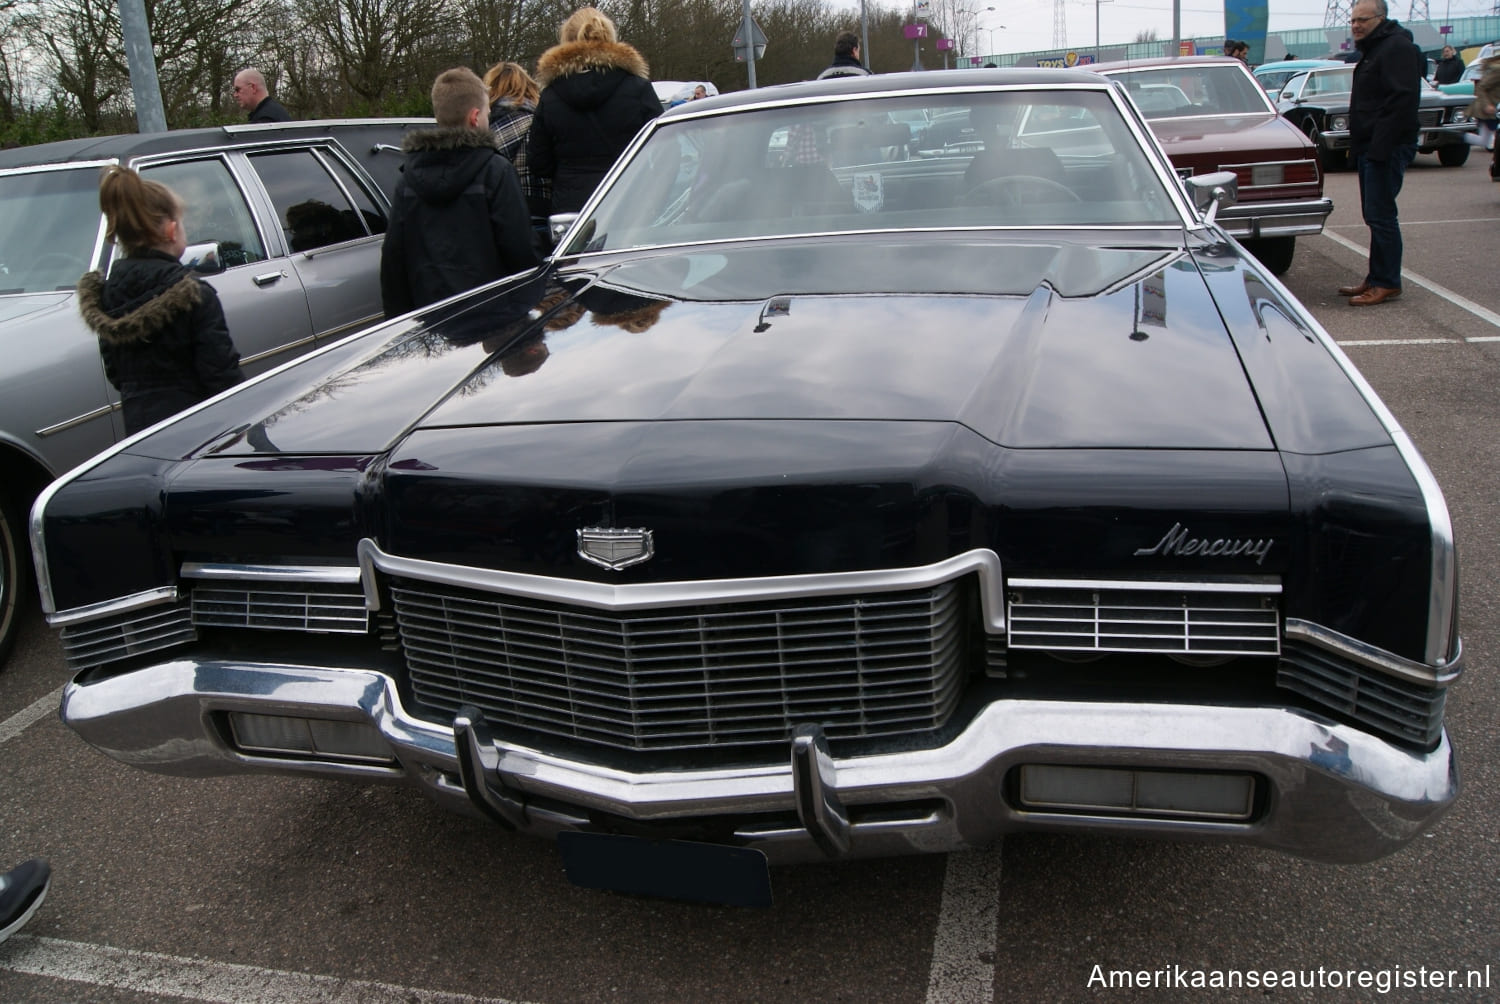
column 1035, row 344
column 1212, row 135
column 13, row 308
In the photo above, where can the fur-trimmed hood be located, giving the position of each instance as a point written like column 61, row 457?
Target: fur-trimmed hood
column 572, row 58
column 448, row 138
column 140, row 304
column 441, row 162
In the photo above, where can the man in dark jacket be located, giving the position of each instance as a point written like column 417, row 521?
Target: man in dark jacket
column 1383, row 129
column 846, row 62
column 1449, row 68
column 596, row 95
column 250, row 91
column 458, row 218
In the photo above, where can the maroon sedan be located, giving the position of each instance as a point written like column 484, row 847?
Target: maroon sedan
column 1211, row 115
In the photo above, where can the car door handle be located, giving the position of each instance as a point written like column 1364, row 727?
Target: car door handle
column 267, row 278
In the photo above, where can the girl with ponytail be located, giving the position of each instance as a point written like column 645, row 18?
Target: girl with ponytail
column 161, row 329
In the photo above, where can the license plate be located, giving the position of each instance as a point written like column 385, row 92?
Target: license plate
column 669, row 869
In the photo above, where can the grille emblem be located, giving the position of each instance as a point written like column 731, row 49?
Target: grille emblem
column 615, row 549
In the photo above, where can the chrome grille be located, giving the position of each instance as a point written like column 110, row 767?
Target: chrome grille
column 1191, row 619
column 325, row 607
column 1407, row 712
column 136, row 632
column 702, row 676
column 1430, row 116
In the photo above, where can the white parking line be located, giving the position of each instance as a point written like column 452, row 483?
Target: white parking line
column 35, row 712
column 1483, row 313
column 200, row 980
column 963, row 951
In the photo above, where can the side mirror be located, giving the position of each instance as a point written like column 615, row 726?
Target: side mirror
column 204, row 259
column 558, row 224
column 1210, row 191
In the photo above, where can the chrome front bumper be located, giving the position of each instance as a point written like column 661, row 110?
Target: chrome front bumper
column 1258, row 220
column 1331, row 792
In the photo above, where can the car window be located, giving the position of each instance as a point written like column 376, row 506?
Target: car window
column 215, row 208
column 990, row 158
column 1339, row 80
column 49, row 224
column 1191, row 90
column 313, row 209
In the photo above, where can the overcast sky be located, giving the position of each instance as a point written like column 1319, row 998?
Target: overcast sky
column 1028, row 23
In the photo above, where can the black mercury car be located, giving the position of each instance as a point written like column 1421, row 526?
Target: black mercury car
column 287, row 222
column 818, row 497
column 1317, row 102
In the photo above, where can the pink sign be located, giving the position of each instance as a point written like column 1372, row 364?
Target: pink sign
column 916, row 31
column 944, row 44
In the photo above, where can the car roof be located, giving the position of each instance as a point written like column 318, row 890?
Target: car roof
column 1297, row 64
column 1159, row 61
column 889, row 83
column 126, row 146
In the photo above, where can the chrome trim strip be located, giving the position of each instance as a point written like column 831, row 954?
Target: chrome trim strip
column 1378, row 659
column 358, row 324
column 1442, row 590
column 656, row 595
column 219, row 571
column 1247, row 585
column 278, row 350
column 78, row 420
column 120, row 605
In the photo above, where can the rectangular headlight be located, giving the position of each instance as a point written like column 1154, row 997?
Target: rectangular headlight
column 1124, row 792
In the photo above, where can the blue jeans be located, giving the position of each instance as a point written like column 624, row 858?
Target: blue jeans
column 1379, row 184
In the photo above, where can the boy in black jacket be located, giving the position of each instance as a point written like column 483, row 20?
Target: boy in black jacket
column 458, row 218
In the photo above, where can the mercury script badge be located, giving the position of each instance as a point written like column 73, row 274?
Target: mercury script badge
column 615, row 549
column 1178, row 541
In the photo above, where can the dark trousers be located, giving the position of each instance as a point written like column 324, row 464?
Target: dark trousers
column 1379, row 184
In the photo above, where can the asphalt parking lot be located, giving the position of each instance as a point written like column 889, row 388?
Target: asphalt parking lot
column 266, row 889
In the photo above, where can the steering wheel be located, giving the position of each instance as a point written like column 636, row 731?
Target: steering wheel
column 1017, row 190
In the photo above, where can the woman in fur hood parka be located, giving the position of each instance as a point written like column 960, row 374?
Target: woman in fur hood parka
column 596, row 95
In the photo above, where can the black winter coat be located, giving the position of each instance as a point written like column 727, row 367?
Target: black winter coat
column 595, row 97
column 1386, row 94
column 162, row 336
column 458, row 220
column 270, row 110
column 1449, row 69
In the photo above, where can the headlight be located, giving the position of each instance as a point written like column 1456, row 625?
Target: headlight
column 1458, row 115
column 1338, row 123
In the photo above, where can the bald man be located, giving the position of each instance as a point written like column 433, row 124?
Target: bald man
column 250, row 91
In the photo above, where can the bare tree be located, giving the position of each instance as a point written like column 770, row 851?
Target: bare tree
column 378, row 46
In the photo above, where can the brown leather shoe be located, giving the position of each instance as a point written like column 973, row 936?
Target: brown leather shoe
column 1363, row 287
column 1376, row 294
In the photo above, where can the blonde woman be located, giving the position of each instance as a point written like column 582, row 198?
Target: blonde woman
column 513, row 97
column 596, row 95
column 161, row 329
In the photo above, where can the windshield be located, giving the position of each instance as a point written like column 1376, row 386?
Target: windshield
column 1192, row 90
column 49, row 223
column 1043, row 157
column 1339, row 80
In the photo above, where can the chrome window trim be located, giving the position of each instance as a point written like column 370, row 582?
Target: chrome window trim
column 1378, row 659
column 657, row 595
column 1112, row 228
column 236, row 174
column 119, row 605
column 1442, row 588
column 221, row 571
column 1247, row 584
